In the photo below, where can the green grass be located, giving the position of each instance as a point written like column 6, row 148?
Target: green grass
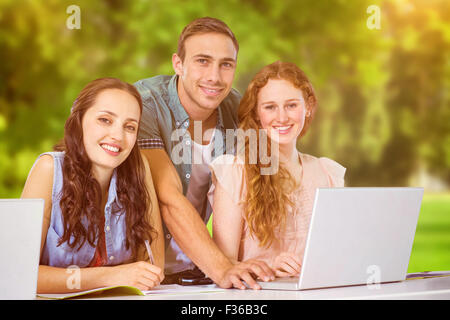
column 431, row 248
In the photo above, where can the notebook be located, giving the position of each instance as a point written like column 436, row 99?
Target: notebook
column 166, row 289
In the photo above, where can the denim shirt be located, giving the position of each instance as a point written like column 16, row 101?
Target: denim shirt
column 115, row 228
column 164, row 125
column 165, row 122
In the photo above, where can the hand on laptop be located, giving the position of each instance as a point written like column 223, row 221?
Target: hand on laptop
column 287, row 264
column 247, row 271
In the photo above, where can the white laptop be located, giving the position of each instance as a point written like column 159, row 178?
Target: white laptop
column 357, row 236
column 20, row 244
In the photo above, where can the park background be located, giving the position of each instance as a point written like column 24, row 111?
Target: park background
column 382, row 76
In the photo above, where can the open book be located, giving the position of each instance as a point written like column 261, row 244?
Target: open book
column 128, row 290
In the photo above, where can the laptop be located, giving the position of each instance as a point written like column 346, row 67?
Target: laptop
column 357, row 236
column 20, row 245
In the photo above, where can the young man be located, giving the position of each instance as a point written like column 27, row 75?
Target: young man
column 197, row 99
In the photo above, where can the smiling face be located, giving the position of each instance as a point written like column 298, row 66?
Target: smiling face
column 110, row 128
column 281, row 111
column 206, row 73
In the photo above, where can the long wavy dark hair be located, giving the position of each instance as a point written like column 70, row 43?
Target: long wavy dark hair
column 81, row 193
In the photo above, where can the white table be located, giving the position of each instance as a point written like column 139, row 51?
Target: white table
column 432, row 288
column 270, row 304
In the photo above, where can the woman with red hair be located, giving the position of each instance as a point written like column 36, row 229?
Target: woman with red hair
column 100, row 203
column 264, row 214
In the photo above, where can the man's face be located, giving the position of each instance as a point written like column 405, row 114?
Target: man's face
column 207, row 72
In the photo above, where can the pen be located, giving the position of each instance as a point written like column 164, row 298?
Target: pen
column 149, row 251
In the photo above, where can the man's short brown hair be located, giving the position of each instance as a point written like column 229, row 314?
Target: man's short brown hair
column 204, row 25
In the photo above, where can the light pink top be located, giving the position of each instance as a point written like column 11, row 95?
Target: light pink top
column 228, row 171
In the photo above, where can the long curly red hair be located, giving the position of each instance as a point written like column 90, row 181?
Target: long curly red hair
column 267, row 197
column 81, row 194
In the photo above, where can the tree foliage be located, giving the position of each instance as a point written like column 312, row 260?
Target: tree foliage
column 384, row 106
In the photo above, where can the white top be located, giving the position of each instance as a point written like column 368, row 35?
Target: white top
column 176, row 260
column 200, row 175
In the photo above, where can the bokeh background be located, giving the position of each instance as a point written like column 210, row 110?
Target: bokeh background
column 383, row 85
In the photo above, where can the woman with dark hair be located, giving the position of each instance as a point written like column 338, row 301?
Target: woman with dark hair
column 266, row 216
column 101, row 211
